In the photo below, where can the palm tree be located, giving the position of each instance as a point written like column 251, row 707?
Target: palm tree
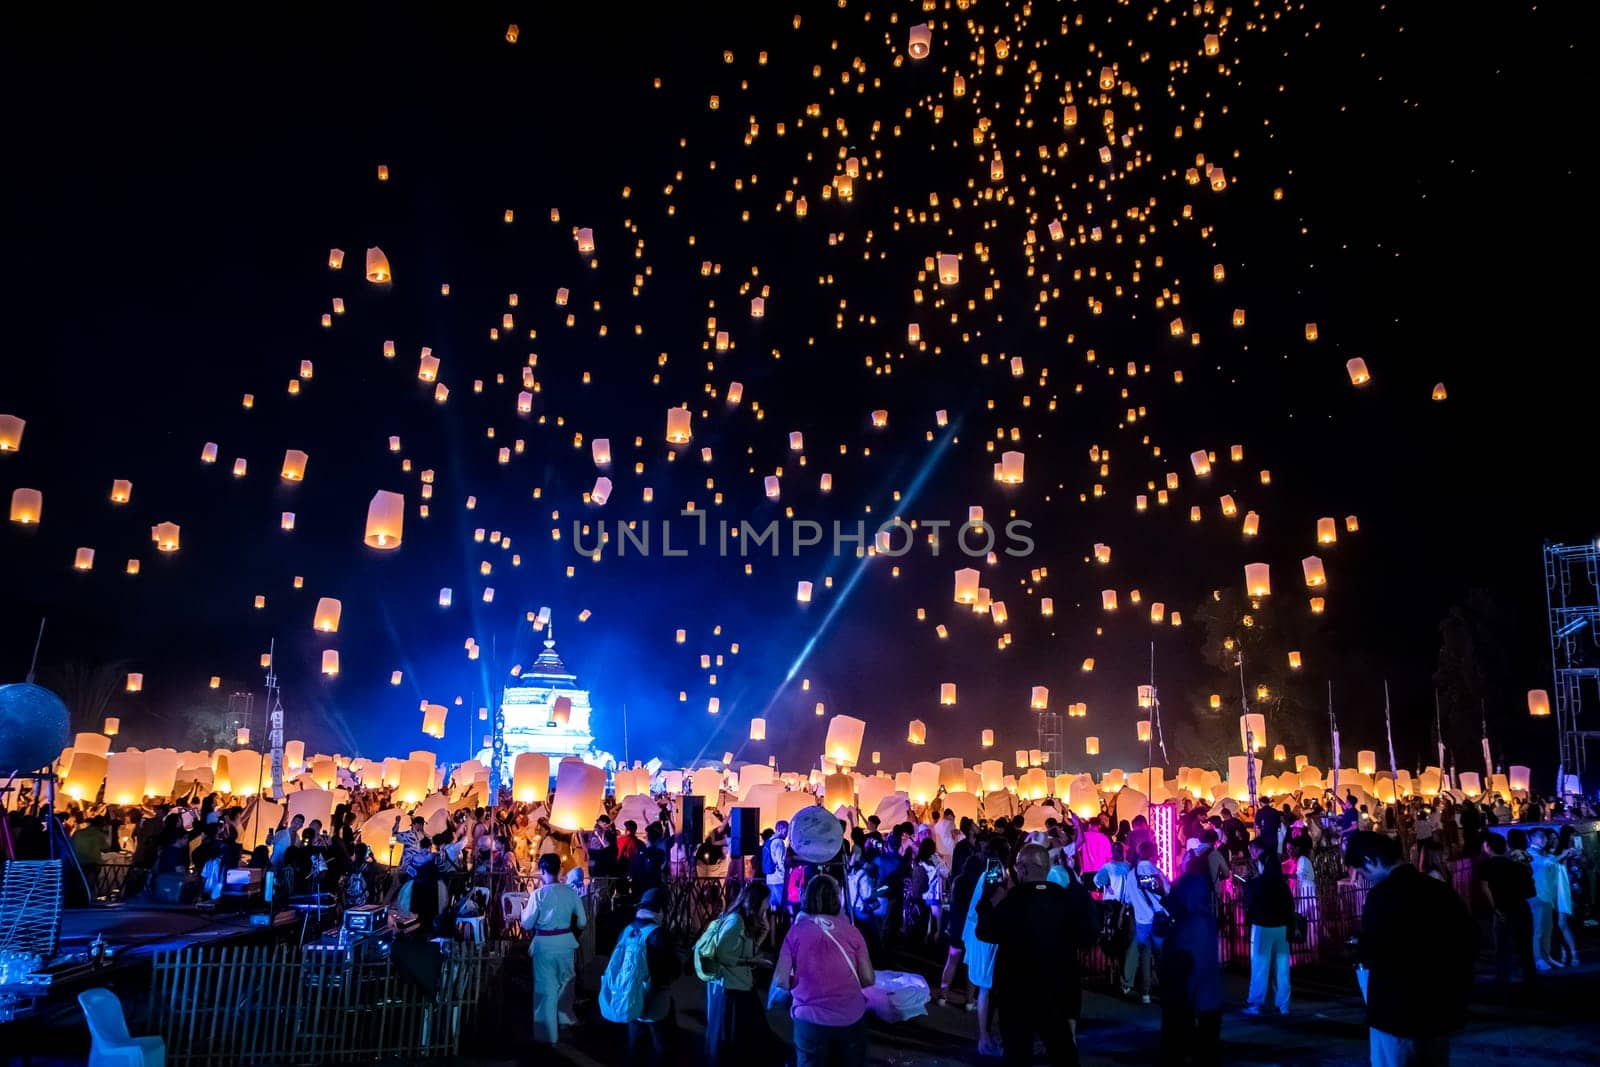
column 86, row 689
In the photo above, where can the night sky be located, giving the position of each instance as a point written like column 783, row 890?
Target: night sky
column 176, row 185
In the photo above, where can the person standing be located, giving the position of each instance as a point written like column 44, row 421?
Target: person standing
column 1191, row 971
column 736, row 1019
column 1507, row 885
column 1038, row 928
column 1268, row 908
column 1409, row 917
column 653, row 1031
column 554, row 915
column 824, row 966
column 1142, row 890
column 1543, row 902
column 775, row 865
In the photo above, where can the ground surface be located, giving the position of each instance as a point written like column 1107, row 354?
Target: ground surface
column 1326, row 1026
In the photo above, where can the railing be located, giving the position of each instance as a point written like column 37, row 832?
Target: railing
column 272, row 1005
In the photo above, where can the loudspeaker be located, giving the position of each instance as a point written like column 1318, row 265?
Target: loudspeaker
column 692, row 821
column 744, row 832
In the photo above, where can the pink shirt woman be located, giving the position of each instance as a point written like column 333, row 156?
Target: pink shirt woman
column 824, row 965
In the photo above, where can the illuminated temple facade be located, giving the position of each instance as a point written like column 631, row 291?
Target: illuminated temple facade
column 530, row 705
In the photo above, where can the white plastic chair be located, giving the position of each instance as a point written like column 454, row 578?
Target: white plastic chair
column 108, row 1030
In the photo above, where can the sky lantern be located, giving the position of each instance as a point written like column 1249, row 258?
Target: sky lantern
column 1294, row 660
column 1439, row 392
column 1327, row 531
column 1146, row 696
column 1047, row 606
column 1102, row 553
column 1538, row 703
column 917, row 732
column 294, row 465
column 1212, row 44
column 600, row 450
column 386, row 516
column 842, row 744
column 1357, row 369
column 530, row 777
column 135, row 682
column 1316, row 577
column 1252, row 524
column 1366, row 761
column 208, row 454
column 1255, row 725
column 166, row 536
column 949, row 268
column 83, row 559
column 27, row 506
column 121, row 491
column 1091, row 746
column 967, row 585
column 1200, row 459
column 11, row 427
column 378, row 267
column 880, row 419
column 601, row 491
column 428, row 367
column 678, row 420
column 326, row 618
column 433, row 716
column 1258, row 579
column 947, row 693
column 921, row 41
column 770, row 486
column 1142, row 730
column 1108, row 600
column 1351, row 524
column 1039, row 699
column 335, row 258
column 1318, row 605
column 584, row 236
column 241, row 467
column 758, row 729
column 330, row 662
column 802, row 593
column 1009, row 470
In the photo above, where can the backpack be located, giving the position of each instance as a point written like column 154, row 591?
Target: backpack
column 704, row 954
column 768, row 864
column 627, row 977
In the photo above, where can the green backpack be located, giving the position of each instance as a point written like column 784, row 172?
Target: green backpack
column 704, row 954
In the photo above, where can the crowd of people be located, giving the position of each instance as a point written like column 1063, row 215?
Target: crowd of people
column 1011, row 915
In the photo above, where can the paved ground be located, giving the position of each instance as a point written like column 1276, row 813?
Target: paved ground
column 1561, row 1026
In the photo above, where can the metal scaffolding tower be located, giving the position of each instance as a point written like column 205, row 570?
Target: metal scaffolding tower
column 1572, row 596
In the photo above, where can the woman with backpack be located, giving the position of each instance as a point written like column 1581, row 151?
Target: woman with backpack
column 725, row 959
column 1142, row 890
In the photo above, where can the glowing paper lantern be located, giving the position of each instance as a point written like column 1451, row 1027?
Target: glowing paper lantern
column 386, row 516
column 561, row 710
column 1142, row 729
column 601, row 491
column 678, row 429
column 1091, row 746
column 843, row 742
column 27, row 505
column 326, row 619
column 967, row 586
column 330, row 662
column 947, row 693
column 579, row 797
column 125, row 778
column 378, row 267
column 1039, row 699
column 924, row 782
column 294, row 465
column 1538, row 702
column 949, row 269
column 433, row 716
column 530, row 777
column 1316, row 577
column 84, row 777
column 1258, row 579
column 921, row 41
column 758, row 729
column 1294, row 661
column 121, row 491
column 1009, row 470
column 1327, row 531
column 166, row 536
column 1357, row 369
column 1108, row 599
column 1366, row 761
column 83, row 559
column 11, row 427
column 1200, row 459
column 1255, row 725
column 986, row 739
column 1440, row 393
column 917, row 732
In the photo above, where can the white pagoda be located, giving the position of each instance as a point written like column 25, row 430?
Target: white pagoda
column 529, row 708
